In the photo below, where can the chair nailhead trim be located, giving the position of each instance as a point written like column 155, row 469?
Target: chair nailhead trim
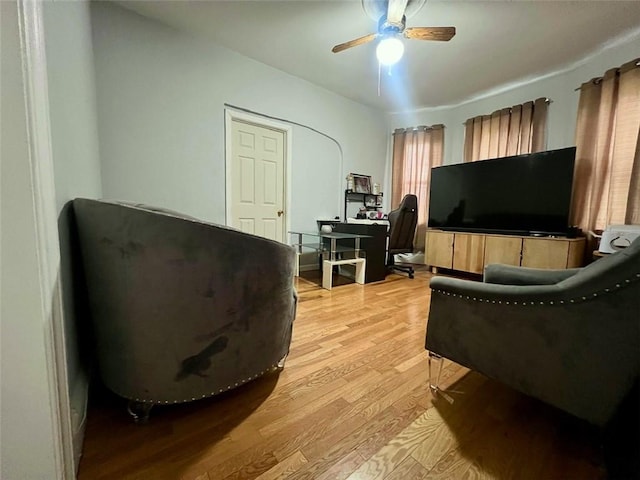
column 550, row 302
column 229, row 387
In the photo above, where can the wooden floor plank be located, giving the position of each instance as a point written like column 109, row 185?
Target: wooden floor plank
column 343, row 468
column 285, row 468
column 391, row 455
column 352, row 402
column 409, row 469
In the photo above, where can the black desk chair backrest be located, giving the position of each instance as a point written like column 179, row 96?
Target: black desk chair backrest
column 402, row 230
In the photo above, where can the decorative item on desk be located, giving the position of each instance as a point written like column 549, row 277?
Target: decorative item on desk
column 330, row 223
column 361, row 183
column 370, row 202
column 350, row 182
column 376, row 189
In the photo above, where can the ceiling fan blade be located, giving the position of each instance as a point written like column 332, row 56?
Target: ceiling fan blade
column 395, row 10
column 442, row 34
column 354, row 43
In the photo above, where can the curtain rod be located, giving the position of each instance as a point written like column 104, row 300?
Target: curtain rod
column 598, row 80
column 547, row 100
column 418, row 128
column 594, row 81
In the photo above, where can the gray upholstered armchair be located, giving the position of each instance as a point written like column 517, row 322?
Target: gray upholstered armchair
column 568, row 337
column 181, row 309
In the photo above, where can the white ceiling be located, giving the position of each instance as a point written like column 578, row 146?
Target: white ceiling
column 498, row 43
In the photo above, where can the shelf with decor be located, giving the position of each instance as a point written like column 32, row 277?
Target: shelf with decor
column 370, row 201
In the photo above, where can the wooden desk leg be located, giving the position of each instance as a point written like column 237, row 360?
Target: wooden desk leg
column 327, row 274
column 360, row 269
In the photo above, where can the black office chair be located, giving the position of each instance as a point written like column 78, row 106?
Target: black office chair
column 402, row 229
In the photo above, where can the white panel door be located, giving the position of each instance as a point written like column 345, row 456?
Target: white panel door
column 257, row 180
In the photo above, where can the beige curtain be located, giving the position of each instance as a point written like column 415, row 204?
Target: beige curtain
column 415, row 151
column 509, row 131
column 606, row 189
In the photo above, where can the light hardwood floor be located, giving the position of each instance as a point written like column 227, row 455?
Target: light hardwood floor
column 352, row 402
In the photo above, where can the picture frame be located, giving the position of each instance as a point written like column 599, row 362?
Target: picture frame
column 361, row 183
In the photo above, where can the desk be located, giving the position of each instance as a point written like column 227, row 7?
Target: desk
column 374, row 246
column 315, row 241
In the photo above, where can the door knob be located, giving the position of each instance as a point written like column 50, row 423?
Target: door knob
column 280, row 213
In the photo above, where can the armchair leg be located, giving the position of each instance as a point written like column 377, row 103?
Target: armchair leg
column 139, row 411
column 281, row 362
column 435, row 369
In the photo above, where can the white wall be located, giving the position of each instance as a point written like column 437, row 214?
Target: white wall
column 72, row 97
column 29, row 415
column 161, row 96
column 560, row 88
column 74, row 136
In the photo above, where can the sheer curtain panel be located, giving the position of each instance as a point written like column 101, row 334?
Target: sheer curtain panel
column 509, row 131
column 415, row 151
column 606, row 189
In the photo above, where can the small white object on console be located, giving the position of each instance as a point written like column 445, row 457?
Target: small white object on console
column 618, row 237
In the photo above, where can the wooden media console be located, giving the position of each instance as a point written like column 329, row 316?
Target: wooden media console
column 470, row 252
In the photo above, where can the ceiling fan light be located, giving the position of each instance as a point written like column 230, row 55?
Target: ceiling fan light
column 389, row 50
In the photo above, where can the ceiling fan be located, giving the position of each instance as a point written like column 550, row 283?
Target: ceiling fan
column 392, row 16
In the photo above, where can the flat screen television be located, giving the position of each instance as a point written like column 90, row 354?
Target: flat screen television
column 521, row 195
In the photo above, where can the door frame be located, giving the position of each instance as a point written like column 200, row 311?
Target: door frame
column 45, row 235
column 230, row 116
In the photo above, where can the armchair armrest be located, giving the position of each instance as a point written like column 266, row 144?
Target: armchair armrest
column 489, row 291
column 512, row 275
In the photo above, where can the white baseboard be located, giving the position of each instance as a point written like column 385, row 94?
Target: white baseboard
column 308, row 267
column 79, row 404
column 78, row 439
